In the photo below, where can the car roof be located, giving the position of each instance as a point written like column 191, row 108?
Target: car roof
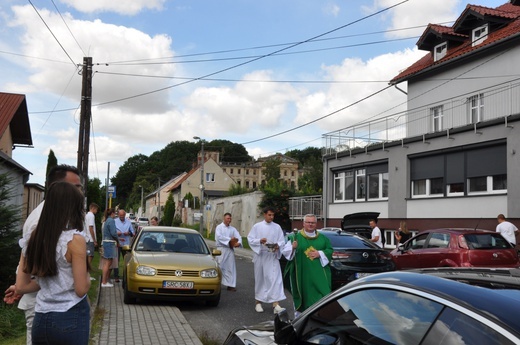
column 493, row 302
column 458, row 230
column 172, row 229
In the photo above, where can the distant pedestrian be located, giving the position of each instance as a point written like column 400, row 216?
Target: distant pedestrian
column 228, row 238
column 154, row 221
column 109, row 245
column 507, row 229
column 376, row 233
column 403, row 234
column 56, row 255
column 90, row 231
column 125, row 232
column 265, row 239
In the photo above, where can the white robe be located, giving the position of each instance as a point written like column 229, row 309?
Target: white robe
column 226, row 260
column 268, row 275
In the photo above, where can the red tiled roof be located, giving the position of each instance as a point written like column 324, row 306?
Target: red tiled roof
column 13, row 112
column 510, row 30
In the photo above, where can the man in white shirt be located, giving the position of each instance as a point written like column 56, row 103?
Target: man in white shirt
column 90, row 231
column 376, row 233
column 506, row 229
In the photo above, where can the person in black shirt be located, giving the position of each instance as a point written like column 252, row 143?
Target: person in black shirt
column 403, row 234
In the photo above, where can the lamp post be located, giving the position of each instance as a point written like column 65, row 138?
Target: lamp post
column 201, row 183
column 142, row 207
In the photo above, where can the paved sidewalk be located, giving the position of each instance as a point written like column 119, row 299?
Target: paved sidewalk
column 141, row 323
column 145, row 323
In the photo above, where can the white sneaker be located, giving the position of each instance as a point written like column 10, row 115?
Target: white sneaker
column 258, row 308
column 92, row 278
column 107, row 285
column 277, row 309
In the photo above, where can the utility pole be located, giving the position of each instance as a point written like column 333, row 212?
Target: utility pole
column 84, row 122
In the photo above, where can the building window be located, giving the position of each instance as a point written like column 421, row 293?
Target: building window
column 238, row 172
column 285, row 173
column 358, row 184
column 247, row 171
column 476, row 108
column 231, row 170
column 224, row 169
column 254, row 171
column 292, row 173
column 247, row 184
column 210, row 177
column 472, row 171
column 436, row 115
column 254, row 184
column 479, row 35
column 440, row 51
column 429, row 187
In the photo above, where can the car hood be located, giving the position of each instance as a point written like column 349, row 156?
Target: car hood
column 175, row 259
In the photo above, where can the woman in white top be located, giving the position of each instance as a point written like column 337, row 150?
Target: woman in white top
column 56, row 256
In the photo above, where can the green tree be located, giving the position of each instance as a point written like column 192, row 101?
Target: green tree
column 236, row 189
column 229, row 151
column 125, row 177
column 9, row 232
column 271, row 168
column 169, row 211
column 276, row 195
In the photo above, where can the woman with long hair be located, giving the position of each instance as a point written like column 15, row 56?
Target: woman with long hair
column 55, row 254
column 403, row 234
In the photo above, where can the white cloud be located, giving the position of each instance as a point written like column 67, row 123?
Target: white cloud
column 381, row 68
column 415, row 13
column 331, row 9
column 122, row 7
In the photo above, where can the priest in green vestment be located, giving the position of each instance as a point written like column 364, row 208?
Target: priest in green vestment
column 308, row 253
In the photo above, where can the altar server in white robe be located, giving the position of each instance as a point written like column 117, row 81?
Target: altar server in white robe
column 228, row 238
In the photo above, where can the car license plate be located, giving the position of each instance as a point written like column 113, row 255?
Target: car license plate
column 362, row 274
column 168, row 284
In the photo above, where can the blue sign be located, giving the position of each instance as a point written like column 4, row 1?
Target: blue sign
column 112, row 191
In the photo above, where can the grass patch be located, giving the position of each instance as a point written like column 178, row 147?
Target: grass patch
column 12, row 325
column 95, row 324
column 206, row 339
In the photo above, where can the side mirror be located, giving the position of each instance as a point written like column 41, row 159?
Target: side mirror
column 216, row 252
column 284, row 332
column 400, row 248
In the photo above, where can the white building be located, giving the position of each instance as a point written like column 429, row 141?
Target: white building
column 453, row 158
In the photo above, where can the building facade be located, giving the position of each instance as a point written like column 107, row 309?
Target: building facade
column 451, row 159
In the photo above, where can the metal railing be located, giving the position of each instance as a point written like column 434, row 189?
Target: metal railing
column 497, row 102
column 300, row 206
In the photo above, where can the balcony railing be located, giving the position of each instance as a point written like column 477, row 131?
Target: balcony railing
column 496, row 102
column 300, row 206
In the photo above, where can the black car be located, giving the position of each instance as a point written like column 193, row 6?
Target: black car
column 353, row 257
column 358, row 223
column 440, row 306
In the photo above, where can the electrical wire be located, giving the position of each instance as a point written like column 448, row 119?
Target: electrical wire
column 52, row 33
column 64, row 22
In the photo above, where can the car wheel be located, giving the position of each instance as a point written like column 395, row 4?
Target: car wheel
column 213, row 302
column 127, row 299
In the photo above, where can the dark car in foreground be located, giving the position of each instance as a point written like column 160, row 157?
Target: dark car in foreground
column 455, row 248
column 171, row 263
column 445, row 306
column 353, row 257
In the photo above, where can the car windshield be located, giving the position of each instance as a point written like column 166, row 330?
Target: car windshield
column 348, row 241
column 165, row 241
column 486, row 241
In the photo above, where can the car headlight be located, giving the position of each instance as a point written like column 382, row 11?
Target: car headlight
column 146, row 271
column 211, row 273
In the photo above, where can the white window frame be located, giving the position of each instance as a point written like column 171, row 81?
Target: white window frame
column 479, row 35
column 439, row 51
column 450, row 193
column 210, row 177
column 341, row 186
column 428, row 193
column 380, row 186
column 437, row 114
column 359, row 173
column 476, row 106
column 489, row 187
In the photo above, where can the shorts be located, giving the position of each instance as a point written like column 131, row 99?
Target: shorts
column 90, row 248
column 109, row 249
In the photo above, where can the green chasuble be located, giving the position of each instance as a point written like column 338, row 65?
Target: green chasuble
column 309, row 280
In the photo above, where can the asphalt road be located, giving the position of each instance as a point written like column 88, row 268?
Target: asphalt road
column 235, row 308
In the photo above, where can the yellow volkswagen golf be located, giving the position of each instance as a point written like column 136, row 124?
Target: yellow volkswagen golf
column 171, row 263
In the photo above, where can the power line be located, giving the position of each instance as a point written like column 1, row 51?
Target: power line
column 53, row 34
column 64, row 22
column 31, row 57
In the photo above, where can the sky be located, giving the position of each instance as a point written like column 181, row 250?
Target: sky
column 269, row 74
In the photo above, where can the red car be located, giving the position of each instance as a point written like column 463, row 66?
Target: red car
column 455, row 248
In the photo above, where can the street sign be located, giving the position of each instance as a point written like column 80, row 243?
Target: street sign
column 112, row 191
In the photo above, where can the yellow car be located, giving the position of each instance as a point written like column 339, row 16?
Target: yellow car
column 171, row 263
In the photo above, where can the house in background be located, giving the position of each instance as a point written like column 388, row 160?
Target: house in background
column 155, row 201
column 32, row 197
column 453, row 158
column 14, row 132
